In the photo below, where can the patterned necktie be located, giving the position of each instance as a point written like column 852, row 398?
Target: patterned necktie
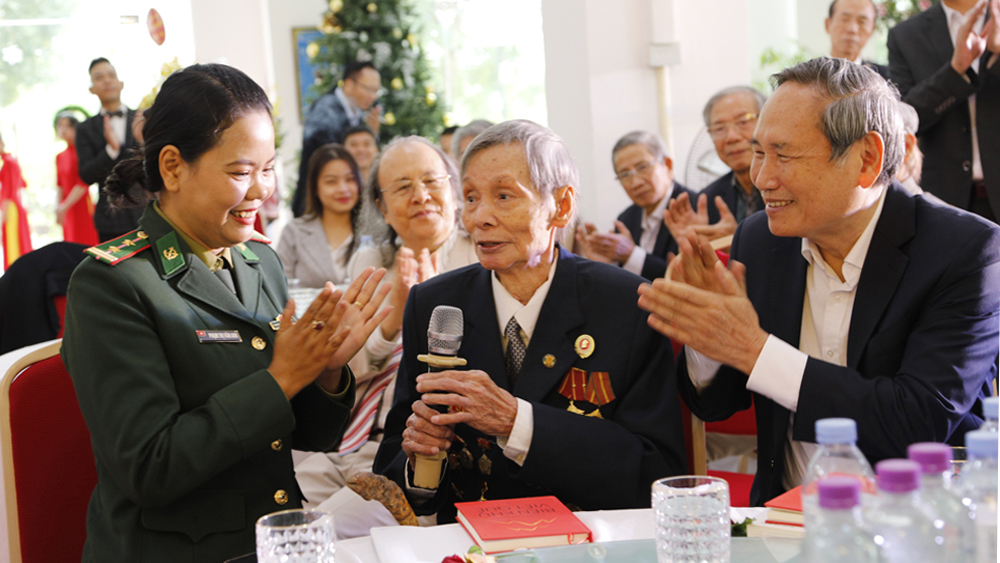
column 515, row 350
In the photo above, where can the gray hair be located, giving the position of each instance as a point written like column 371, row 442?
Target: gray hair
column 373, row 224
column 862, row 102
column 550, row 165
column 653, row 143
column 758, row 97
column 911, row 121
column 472, row 129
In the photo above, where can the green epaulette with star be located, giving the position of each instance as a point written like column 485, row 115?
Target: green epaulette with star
column 114, row 251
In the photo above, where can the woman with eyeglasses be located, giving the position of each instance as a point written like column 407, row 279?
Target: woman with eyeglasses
column 411, row 202
column 317, row 247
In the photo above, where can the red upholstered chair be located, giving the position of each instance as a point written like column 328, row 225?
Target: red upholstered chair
column 48, row 464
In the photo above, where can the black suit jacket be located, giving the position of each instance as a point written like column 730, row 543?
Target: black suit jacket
column 882, row 70
column 724, row 188
column 588, row 462
column 655, row 265
column 922, row 344
column 920, row 51
column 325, row 123
column 96, row 165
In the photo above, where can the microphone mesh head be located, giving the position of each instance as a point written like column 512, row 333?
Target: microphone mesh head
column 444, row 334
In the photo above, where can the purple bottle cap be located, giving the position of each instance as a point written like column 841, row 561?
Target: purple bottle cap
column 838, row 492
column 898, row 475
column 932, row 457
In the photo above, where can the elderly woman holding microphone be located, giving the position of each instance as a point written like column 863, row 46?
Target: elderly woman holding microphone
column 192, row 375
column 567, row 390
column 411, row 207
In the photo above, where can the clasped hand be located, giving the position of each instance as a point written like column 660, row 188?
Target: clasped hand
column 474, row 399
column 705, row 306
column 330, row 332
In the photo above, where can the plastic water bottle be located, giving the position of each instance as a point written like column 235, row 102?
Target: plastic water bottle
column 936, row 490
column 990, row 407
column 837, row 455
column 837, row 534
column 978, row 488
column 901, row 524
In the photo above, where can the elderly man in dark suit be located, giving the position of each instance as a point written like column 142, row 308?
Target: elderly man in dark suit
column 945, row 62
column 101, row 142
column 848, row 298
column 639, row 242
column 568, row 392
column 850, row 24
column 333, row 113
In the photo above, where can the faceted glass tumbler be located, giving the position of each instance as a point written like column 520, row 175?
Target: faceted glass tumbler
column 691, row 519
column 295, row 536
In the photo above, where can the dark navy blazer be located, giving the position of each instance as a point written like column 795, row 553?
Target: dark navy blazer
column 656, row 262
column 587, row 462
column 922, row 346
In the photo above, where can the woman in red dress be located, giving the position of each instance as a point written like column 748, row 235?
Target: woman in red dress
column 75, row 211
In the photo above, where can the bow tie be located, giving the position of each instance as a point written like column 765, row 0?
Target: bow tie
column 118, row 113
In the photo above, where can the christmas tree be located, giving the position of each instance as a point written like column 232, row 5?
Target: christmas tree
column 385, row 33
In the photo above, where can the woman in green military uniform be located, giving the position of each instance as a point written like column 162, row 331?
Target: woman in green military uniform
column 193, row 379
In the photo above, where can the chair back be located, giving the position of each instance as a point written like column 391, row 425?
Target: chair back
column 48, row 463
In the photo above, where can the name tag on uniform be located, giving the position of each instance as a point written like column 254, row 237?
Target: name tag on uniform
column 218, row 336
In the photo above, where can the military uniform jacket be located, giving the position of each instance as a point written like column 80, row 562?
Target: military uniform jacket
column 588, row 462
column 192, row 440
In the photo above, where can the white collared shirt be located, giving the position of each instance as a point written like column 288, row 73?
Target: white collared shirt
column 826, row 320
column 516, row 446
column 651, row 225
column 955, row 20
column 354, row 113
column 118, row 124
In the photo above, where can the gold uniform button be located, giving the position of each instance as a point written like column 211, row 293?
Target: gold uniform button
column 276, row 445
column 281, row 497
column 258, row 343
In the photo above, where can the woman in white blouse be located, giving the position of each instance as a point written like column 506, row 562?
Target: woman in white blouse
column 317, row 247
column 412, row 210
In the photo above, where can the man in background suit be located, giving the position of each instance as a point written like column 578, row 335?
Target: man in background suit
column 944, row 61
column 730, row 117
column 639, row 242
column 848, row 298
column 850, row 25
column 567, row 390
column 334, row 113
column 101, row 142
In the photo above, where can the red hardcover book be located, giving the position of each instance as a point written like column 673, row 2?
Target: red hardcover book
column 786, row 508
column 505, row 525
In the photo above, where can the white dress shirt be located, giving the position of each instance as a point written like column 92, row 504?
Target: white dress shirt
column 354, row 113
column 955, row 21
column 118, row 124
column 516, row 446
column 651, row 225
column 826, row 321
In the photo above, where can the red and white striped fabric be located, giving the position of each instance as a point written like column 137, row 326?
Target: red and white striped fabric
column 363, row 417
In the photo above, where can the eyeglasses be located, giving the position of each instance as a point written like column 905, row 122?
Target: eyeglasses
column 626, row 176
column 743, row 124
column 404, row 189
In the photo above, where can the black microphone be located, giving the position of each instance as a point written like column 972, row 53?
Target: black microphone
column 444, row 338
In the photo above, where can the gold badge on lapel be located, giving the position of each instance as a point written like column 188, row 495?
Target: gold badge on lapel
column 584, row 346
column 170, row 253
column 549, row 361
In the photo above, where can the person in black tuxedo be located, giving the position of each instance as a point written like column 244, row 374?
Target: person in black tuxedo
column 850, row 24
column 849, row 297
column 945, row 62
column 332, row 114
column 103, row 141
column 639, row 242
column 567, row 391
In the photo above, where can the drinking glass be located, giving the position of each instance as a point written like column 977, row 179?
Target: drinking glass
column 295, row 536
column 692, row 519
